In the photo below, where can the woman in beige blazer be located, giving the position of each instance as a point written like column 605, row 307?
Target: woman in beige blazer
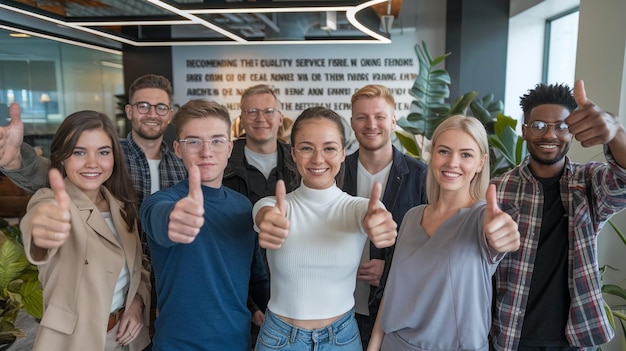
column 82, row 234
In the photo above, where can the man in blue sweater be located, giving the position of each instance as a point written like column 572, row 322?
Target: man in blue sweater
column 204, row 248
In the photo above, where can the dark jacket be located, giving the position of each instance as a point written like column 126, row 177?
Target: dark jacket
column 249, row 181
column 405, row 189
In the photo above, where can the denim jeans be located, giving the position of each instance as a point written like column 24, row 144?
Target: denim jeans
column 276, row 334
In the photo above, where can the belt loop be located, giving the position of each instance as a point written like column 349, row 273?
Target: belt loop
column 331, row 334
column 293, row 334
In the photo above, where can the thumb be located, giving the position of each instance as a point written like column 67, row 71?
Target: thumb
column 58, row 187
column 492, row 201
column 280, row 197
column 195, row 185
column 15, row 113
column 374, row 197
column 580, row 95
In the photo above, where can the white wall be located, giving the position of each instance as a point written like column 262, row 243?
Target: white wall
column 601, row 64
column 525, row 50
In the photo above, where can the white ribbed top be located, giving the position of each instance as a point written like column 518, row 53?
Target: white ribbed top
column 314, row 273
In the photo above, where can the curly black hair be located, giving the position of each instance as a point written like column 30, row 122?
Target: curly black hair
column 557, row 94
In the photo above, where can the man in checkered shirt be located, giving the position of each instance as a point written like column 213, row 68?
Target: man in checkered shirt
column 547, row 294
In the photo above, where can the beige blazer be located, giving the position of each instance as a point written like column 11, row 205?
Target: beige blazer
column 80, row 276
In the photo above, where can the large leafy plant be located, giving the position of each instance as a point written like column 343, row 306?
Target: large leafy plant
column 431, row 91
column 19, row 284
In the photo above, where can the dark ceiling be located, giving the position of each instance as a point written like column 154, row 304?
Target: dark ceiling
column 113, row 23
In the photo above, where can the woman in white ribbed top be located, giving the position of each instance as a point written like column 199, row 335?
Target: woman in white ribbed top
column 315, row 236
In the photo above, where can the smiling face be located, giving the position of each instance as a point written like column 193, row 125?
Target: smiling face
column 148, row 125
column 262, row 129
column 373, row 121
column 547, row 151
column 91, row 162
column 318, row 152
column 456, row 158
column 210, row 162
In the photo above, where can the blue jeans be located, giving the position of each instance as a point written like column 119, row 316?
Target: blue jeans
column 276, row 334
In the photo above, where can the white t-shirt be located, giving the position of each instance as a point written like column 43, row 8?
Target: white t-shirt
column 364, row 183
column 121, row 287
column 263, row 162
column 155, row 178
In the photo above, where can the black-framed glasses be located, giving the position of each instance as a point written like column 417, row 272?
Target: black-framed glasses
column 144, row 107
column 195, row 145
column 308, row 151
column 268, row 113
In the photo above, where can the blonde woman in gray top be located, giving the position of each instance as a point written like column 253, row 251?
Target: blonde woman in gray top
column 438, row 294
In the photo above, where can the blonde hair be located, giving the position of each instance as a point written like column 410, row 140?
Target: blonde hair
column 371, row 91
column 474, row 128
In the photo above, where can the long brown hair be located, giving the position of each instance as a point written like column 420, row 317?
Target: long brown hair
column 119, row 183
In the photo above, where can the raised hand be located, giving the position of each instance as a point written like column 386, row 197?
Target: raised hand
column 187, row 217
column 272, row 221
column 378, row 222
column 500, row 229
column 51, row 221
column 11, row 138
column 589, row 123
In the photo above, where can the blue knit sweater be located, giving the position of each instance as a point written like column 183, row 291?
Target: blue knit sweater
column 202, row 287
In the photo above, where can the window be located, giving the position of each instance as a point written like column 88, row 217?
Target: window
column 560, row 48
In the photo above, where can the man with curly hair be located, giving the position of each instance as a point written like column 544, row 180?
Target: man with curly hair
column 547, row 294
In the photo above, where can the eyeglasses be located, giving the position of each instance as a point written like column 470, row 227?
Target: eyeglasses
column 195, row 145
column 268, row 113
column 539, row 128
column 144, row 107
column 308, row 152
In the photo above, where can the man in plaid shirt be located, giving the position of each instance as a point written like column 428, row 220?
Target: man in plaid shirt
column 547, row 294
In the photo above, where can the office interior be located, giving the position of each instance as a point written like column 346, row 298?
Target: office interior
column 57, row 57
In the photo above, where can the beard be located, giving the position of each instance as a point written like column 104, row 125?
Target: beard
column 550, row 161
column 148, row 133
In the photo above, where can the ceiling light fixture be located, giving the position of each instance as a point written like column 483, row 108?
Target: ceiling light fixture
column 62, row 40
column 351, row 12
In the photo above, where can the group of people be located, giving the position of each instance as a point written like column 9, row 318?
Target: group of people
column 302, row 240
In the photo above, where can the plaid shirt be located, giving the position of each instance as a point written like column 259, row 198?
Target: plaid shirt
column 591, row 193
column 171, row 171
column 171, row 168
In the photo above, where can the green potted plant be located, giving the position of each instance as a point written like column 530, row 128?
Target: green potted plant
column 431, row 89
column 19, row 284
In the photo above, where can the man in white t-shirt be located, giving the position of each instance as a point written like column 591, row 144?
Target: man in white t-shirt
column 404, row 186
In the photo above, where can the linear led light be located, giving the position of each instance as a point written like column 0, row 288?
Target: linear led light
column 196, row 19
column 68, row 24
column 351, row 15
column 62, row 40
column 82, row 26
column 131, row 23
column 272, row 9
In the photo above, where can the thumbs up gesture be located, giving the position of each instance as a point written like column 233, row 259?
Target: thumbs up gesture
column 187, row 217
column 272, row 221
column 589, row 123
column 11, row 139
column 51, row 221
column 500, row 229
column 378, row 222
